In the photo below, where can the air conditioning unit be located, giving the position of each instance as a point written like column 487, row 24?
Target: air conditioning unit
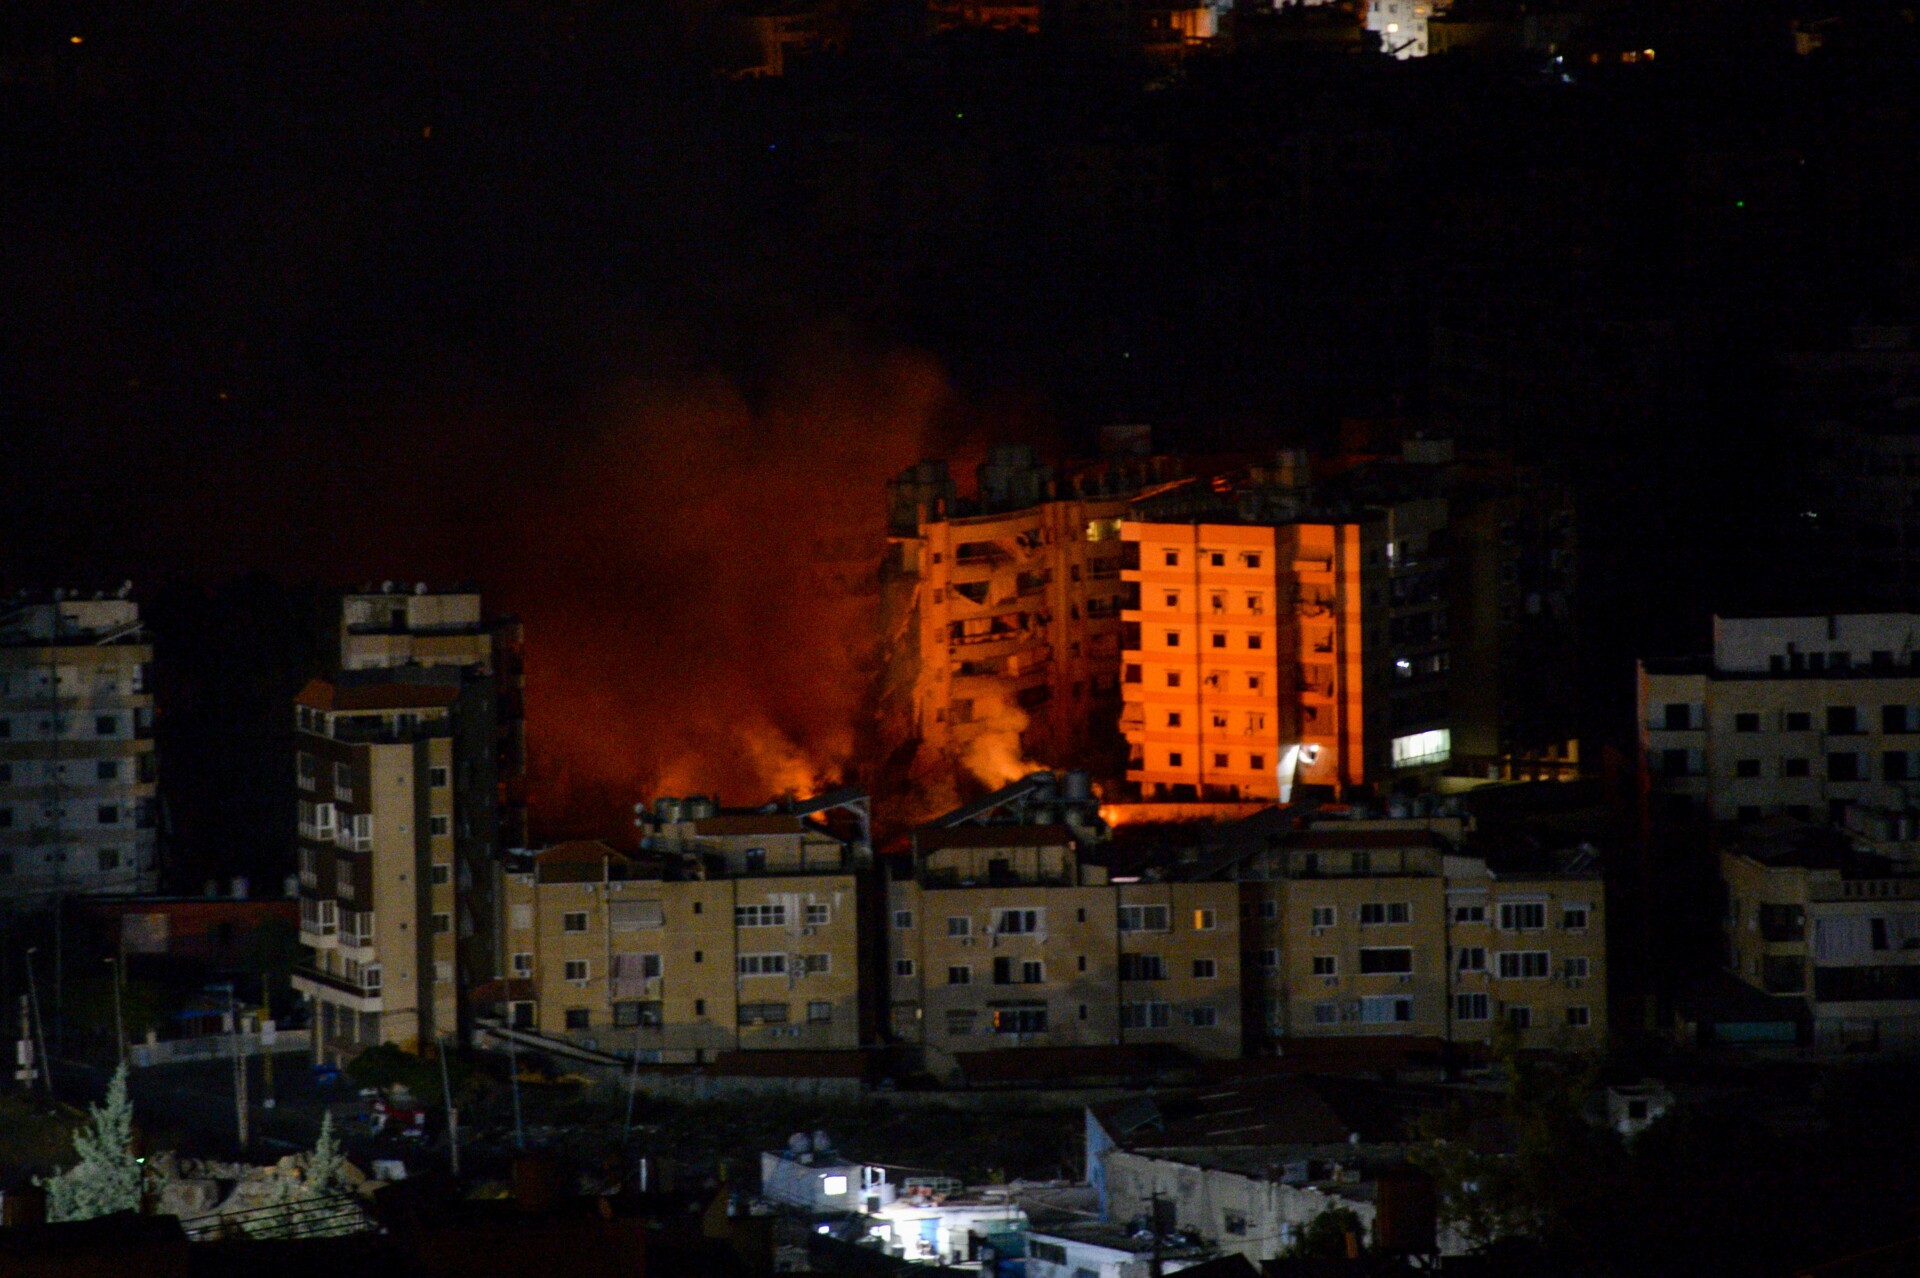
column 1575, row 982
column 966, row 941
column 1332, row 982
column 1406, row 978
column 808, row 931
column 1319, row 931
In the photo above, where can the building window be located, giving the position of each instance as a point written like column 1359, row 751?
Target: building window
column 903, row 967
column 108, row 814
column 1173, row 678
column 573, row 921
column 106, row 725
column 1269, row 909
column 1520, row 1017
column 1146, row 1016
column 437, row 778
column 960, row 975
column 1524, row 965
column 1142, row 967
column 1256, row 604
column 1326, row 965
column 1173, row 558
column 108, row 859
column 1795, row 768
column 811, row 964
column 521, row 918
column 1523, row 916
column 1799, row 721
column 343, row 780
column 1322, row 916
column 960, row 1020
column 1203, row 920
column 1203, row 1016
column 763, row 1014
column 443, row 972
column 1677, row 716
column 630, row 1015
column 1579, row 1017
column 1257, row 762
column 1219, row 760
column 1574, row 918
column 1020, row 1020
column 903, row 919
column 1219, row 639
column 107, row 770
column 1145, row 918
column 1746, row 767
column 579, row 1018
column 819, row 915
column 1473, row 958
column 1472, row 1007
column 1173, row 638
column 759, row 916
column 1396, row 959
column 1469, row 914
column 1173, row 718
column 442, row 924
column 1205, row 969
column 1843, row 765
column 1216, row 559
column 1326, row 1013
column 1253, row 641
column 523, row 964
column 576, row 969
column 1175, row 759
column 1377, row 913
column 761, row 964
column 1381, row 1009
column 1578, row 968
column 1017, row 922
column 1842, row 720
column 1746, row 722
column 1269, row 960
column 819, row 1012
column 439, row 826
column 1254, row 684
column 1173, row 599
column 442, row 875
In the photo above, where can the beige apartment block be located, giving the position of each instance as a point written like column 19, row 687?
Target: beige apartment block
column 736, row 931
column 1385, row 928
column 1801, row 717
column 1004, row 937
column 1820, row 922
column 77, row 762
column 396, row 847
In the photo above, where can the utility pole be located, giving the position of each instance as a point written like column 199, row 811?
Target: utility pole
column 119, row 1016
column 453, row 1115
column 513, row 1066
column 239, row 1066
column 39, row 1023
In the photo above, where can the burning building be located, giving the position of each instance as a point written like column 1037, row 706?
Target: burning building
column 1003, row 615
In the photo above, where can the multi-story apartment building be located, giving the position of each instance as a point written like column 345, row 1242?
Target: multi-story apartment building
column 1266, row 628
column 397, row 626
column 728, row 931
column 1789, row 716
column 77, row 764
column 1385, row 927
column 1005, row 934
column 1004, row 612
column 1815, row 917
column 398, row 839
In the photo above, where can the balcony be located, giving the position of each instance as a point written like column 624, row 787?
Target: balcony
column 325, row 987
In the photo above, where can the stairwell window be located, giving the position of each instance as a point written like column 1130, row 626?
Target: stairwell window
column 573, row 921
column 576, row 969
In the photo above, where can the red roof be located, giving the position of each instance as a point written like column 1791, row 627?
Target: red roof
column 322, row 695
column 579, row 852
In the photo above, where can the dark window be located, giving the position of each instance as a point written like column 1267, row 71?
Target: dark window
column 1799, row 721
column 1679, row 715
column 1893, row 765
column 1843, row 765
column 1795, row 768
column 1747, row 813
column 1746, row 768
column 579, row 1018
column 1673, row 763
column 106, row 725
column 1746, row 722
column 1396, row 959
column 1842, row 719
column 1893, row 718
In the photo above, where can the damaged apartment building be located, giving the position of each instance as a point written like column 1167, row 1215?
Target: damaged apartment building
column 1003, row 612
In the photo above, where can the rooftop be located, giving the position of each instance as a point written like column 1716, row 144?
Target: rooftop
column 319, row 694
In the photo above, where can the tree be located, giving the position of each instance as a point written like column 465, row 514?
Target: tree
column 324, row 1164
column 1326, row 1235
column 108, row 1176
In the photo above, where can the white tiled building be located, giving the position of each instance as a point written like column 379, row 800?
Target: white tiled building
column 77, row 763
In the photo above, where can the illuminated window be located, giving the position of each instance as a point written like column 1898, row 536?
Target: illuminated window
column 1420, row 748
column 1203, row 920
column 833, row 1186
